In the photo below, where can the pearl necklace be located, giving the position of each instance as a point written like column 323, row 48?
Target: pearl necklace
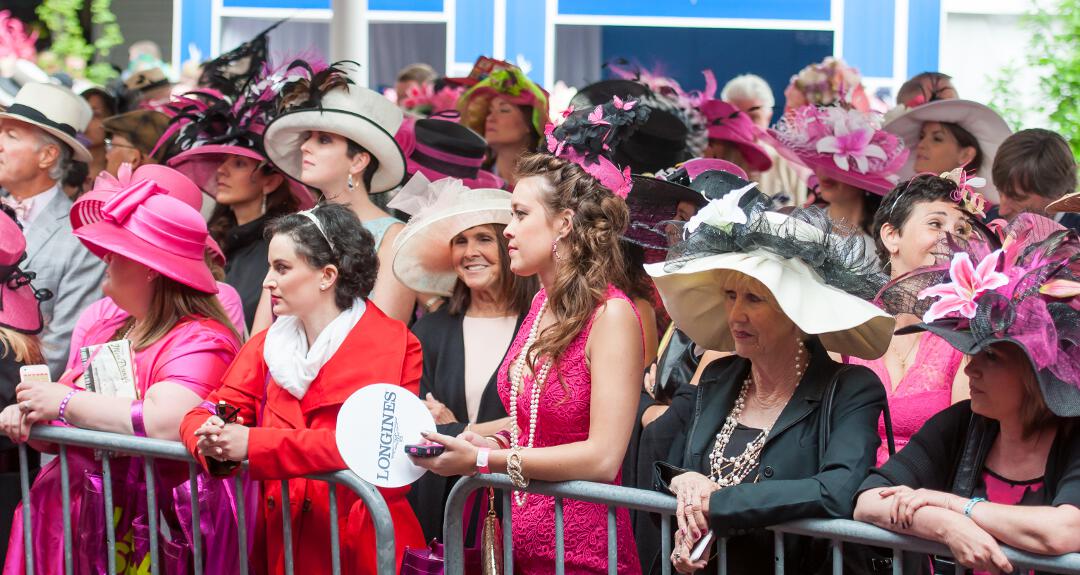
column 517, row 381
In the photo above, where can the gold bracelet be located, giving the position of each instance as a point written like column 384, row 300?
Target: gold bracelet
column 513, row 469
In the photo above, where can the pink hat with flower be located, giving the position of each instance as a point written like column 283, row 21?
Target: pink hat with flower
column 143, row 223
column 20, row 308
column 843, row 144
column 730, row 124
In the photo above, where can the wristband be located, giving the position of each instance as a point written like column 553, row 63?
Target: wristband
column 64, row 404
column 971, row 505
column 138, row 426
column 482, row 460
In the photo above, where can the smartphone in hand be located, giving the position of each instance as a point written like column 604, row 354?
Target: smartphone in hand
column 34, row 374
column 425, row 449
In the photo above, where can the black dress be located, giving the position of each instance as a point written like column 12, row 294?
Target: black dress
column 442, row 341
column 245, row 263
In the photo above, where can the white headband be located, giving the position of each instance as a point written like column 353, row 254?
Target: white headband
column 311, row 216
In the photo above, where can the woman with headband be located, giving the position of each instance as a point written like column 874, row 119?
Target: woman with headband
column 327, row 343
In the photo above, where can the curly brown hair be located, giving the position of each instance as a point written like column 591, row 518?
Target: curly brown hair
column 585, row 271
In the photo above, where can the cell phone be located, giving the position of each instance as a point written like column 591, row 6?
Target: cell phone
column 425, row 449
column 701, row 546
column 35, row 374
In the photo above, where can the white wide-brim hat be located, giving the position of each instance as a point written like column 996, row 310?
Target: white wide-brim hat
column 989, row 129
column 363, row 116
column 54, row 109
column 422, row 250
column 694, row 298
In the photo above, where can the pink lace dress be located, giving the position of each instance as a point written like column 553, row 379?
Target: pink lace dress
column 925, row 389
column 563, row 417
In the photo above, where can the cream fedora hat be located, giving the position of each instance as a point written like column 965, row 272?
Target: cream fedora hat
column 359, row 114
column 54, row 109
column 692, row 286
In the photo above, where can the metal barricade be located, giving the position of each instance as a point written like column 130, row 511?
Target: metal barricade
column 111, row 444
column 837, row 531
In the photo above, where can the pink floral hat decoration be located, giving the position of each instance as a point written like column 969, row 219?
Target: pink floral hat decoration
column 831, row 82
column 588, row 137
column 1026, row 293
column 843, row 144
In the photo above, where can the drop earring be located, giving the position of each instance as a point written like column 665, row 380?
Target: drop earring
column 264, row 204
column 555, row 249
column 350, row 183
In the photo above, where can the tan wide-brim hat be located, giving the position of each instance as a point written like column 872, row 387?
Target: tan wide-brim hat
column 694, row 298
column 989, row 129
column 1066, row 203
column 422, row 258
column 54, row 109
column 359, row 114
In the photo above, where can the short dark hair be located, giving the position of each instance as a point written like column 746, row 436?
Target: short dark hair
column 353, row 252
column 898, row 204
column 1037, row 161
column 373, row 166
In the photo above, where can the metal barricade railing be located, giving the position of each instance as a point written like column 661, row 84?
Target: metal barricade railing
column 111, row 444
column 837, row 531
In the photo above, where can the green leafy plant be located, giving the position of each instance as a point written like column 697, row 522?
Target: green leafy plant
column 1054, row 53
column 68, row 40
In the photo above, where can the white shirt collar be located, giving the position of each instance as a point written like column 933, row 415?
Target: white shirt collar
column 40, row 202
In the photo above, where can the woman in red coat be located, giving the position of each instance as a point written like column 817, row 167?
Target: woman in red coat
column 290, row 381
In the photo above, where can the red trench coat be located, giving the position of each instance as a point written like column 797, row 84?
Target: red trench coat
column 293, row 438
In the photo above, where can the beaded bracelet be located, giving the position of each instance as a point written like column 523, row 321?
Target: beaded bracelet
column 64, row 404
column 971, row 505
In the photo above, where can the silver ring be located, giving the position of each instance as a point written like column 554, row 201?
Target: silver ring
column 24, row 407
column 676, row 556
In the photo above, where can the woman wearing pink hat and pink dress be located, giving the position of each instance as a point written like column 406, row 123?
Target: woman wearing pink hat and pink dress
column 181, row 341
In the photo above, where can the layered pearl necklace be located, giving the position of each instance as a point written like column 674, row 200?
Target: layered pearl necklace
column 517, row 381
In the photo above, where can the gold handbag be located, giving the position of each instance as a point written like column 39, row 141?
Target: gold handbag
column 491, row 539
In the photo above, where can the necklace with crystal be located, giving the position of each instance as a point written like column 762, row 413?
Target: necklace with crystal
column 517, row 382
column 728, row 471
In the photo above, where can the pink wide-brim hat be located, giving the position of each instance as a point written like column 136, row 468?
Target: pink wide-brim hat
column 727, row 123
column 19, row 309
column 873, row 183
column 87, row 209
column 201, row 164
column 142, row 223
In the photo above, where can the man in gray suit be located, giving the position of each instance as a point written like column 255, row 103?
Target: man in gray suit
column 37, row 145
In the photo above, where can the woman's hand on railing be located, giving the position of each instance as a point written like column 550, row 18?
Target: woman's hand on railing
column 973, row 547
column 40, row 401
column 223, row 441
column 692, row 490
column 13, row 424
column 680, row 555
column 906, row 501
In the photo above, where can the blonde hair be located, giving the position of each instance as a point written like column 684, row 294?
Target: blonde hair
column 172, row 303
column 25, row 349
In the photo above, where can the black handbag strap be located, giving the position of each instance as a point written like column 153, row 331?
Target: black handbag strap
column 826, row 418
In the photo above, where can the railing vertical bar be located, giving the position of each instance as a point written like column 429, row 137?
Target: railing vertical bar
column 778, row 552
column 335, row 545
column 65, row 488
column 612, row 544
column 722, row 556
column 508, row 533
column 837, row 556
column 24, row 485
column 286, row 527
column 560, row 545
column 110, row 527
column 241, row 522
column 665, row 544
column 959, row 570
column 196, row 532
column 897, row 562
column 152, row 513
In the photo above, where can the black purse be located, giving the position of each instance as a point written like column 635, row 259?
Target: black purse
column 858, row 559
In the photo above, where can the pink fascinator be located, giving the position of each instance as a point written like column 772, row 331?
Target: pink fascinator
column 588, row 137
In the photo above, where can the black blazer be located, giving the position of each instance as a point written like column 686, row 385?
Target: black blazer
column 793, row 483
column 443, row 343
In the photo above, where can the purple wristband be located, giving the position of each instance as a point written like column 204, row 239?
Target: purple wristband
column 64, row 404
column 137, row 424
column 209, row 407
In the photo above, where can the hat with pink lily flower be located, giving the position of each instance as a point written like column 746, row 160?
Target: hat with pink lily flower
column 843, row 144
column 1025, row 292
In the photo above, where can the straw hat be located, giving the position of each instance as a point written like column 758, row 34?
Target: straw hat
column 825, row 295
column 443, row 209
column 989, row 129
column 56, row 110
column 363, row 116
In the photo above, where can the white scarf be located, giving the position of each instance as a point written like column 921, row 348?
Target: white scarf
column 286, row 352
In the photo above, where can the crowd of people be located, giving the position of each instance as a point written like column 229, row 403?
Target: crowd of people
column 842, row 313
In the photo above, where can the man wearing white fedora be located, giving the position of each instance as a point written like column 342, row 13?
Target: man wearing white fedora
column 37, row 145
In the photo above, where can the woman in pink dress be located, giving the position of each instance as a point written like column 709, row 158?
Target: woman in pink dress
column 570, row 380
column 181, row 341
column 921, row 372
